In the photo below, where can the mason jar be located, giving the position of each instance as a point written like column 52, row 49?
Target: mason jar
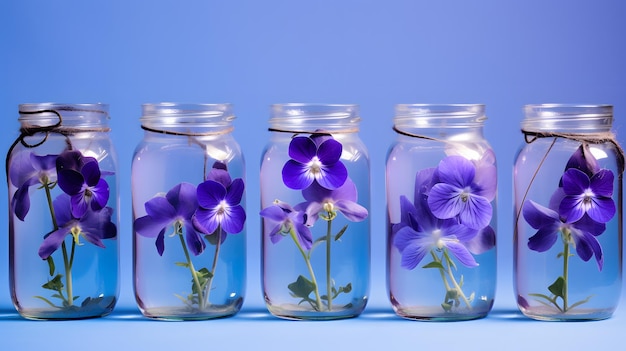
column 188, row 199
column 568, row 213
column 63, row 212
column 441, row 184
column 315, row 203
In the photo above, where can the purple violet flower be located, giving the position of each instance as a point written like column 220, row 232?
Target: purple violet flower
column 458, row 194
column 80, row 177
column 94, row 226
column 549, row 224
column 219, row 206
column 177, row 208
column 315, row 159
column 27, row 169
column 584, row 195
column 280, row 219
column 342, row 199
column 419, row 231
column 428, row 233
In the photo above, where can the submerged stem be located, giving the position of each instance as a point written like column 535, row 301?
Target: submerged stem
column 67, row 261
column 318, row 300
column 194, row 274
column 457, row 287
column 565, row 269
column 329, row 286
column 214, row 265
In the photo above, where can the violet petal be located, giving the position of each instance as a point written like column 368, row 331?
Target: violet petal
column 194, row 241
column 333, row 176
column 477, row 212
column 184, row 199
column 302, row 149
column 296, row 175
column 235, row 192
column 544, row 239
column 91, row 173
column 457, row 171
column 461, row 253
column 52, row 242
column 234, row 220
column 210, row 193
column 329, row 152
column 70, row 181
column 351, row 210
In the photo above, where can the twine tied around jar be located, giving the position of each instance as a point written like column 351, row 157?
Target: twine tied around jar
column 317, row 131
column 190, row 134
column 56, row 128
column 401, row 132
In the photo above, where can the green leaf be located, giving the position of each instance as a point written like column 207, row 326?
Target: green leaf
column 204, row 274
column 302, row 287
column 51, row 266
column 203, row 277
column 340, row 233
column 433, row 264
column 346, row 289
column 558, row 287
column 182, row 264
column 46, row 301
column 581, row 302
column 446, row 306
column 55, row 284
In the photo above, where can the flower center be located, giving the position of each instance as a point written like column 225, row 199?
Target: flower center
column 88, row 194
column 315, row 165
column 588, row 196
column 76, row 231
column 437, row 236
column 465, row 194
column 222, row 207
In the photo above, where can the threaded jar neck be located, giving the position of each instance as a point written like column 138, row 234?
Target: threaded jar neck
column 75, row 116
column 443, row 122
column 567, row 118
column 309, row 118
column 187, row 119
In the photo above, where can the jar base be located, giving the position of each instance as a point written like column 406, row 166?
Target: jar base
column 436, row 314
column 299, row 312
column 100, row 308
column 543, row 313
column 177, row 313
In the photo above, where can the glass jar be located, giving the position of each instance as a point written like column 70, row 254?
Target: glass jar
column 189, row 215
column 441, row 186
column 314, row 206
column 568, row 213
column 63, row 218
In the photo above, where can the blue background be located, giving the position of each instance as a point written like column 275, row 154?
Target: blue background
column 254, row 53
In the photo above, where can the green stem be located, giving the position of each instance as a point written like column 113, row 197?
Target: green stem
column 442, row 272
column 67, row 261
column 318, row 300
column 214, row 266
column 565, row 271
column 329, row 286
column 194, row 274
column 67, row 265
column 454, row 282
